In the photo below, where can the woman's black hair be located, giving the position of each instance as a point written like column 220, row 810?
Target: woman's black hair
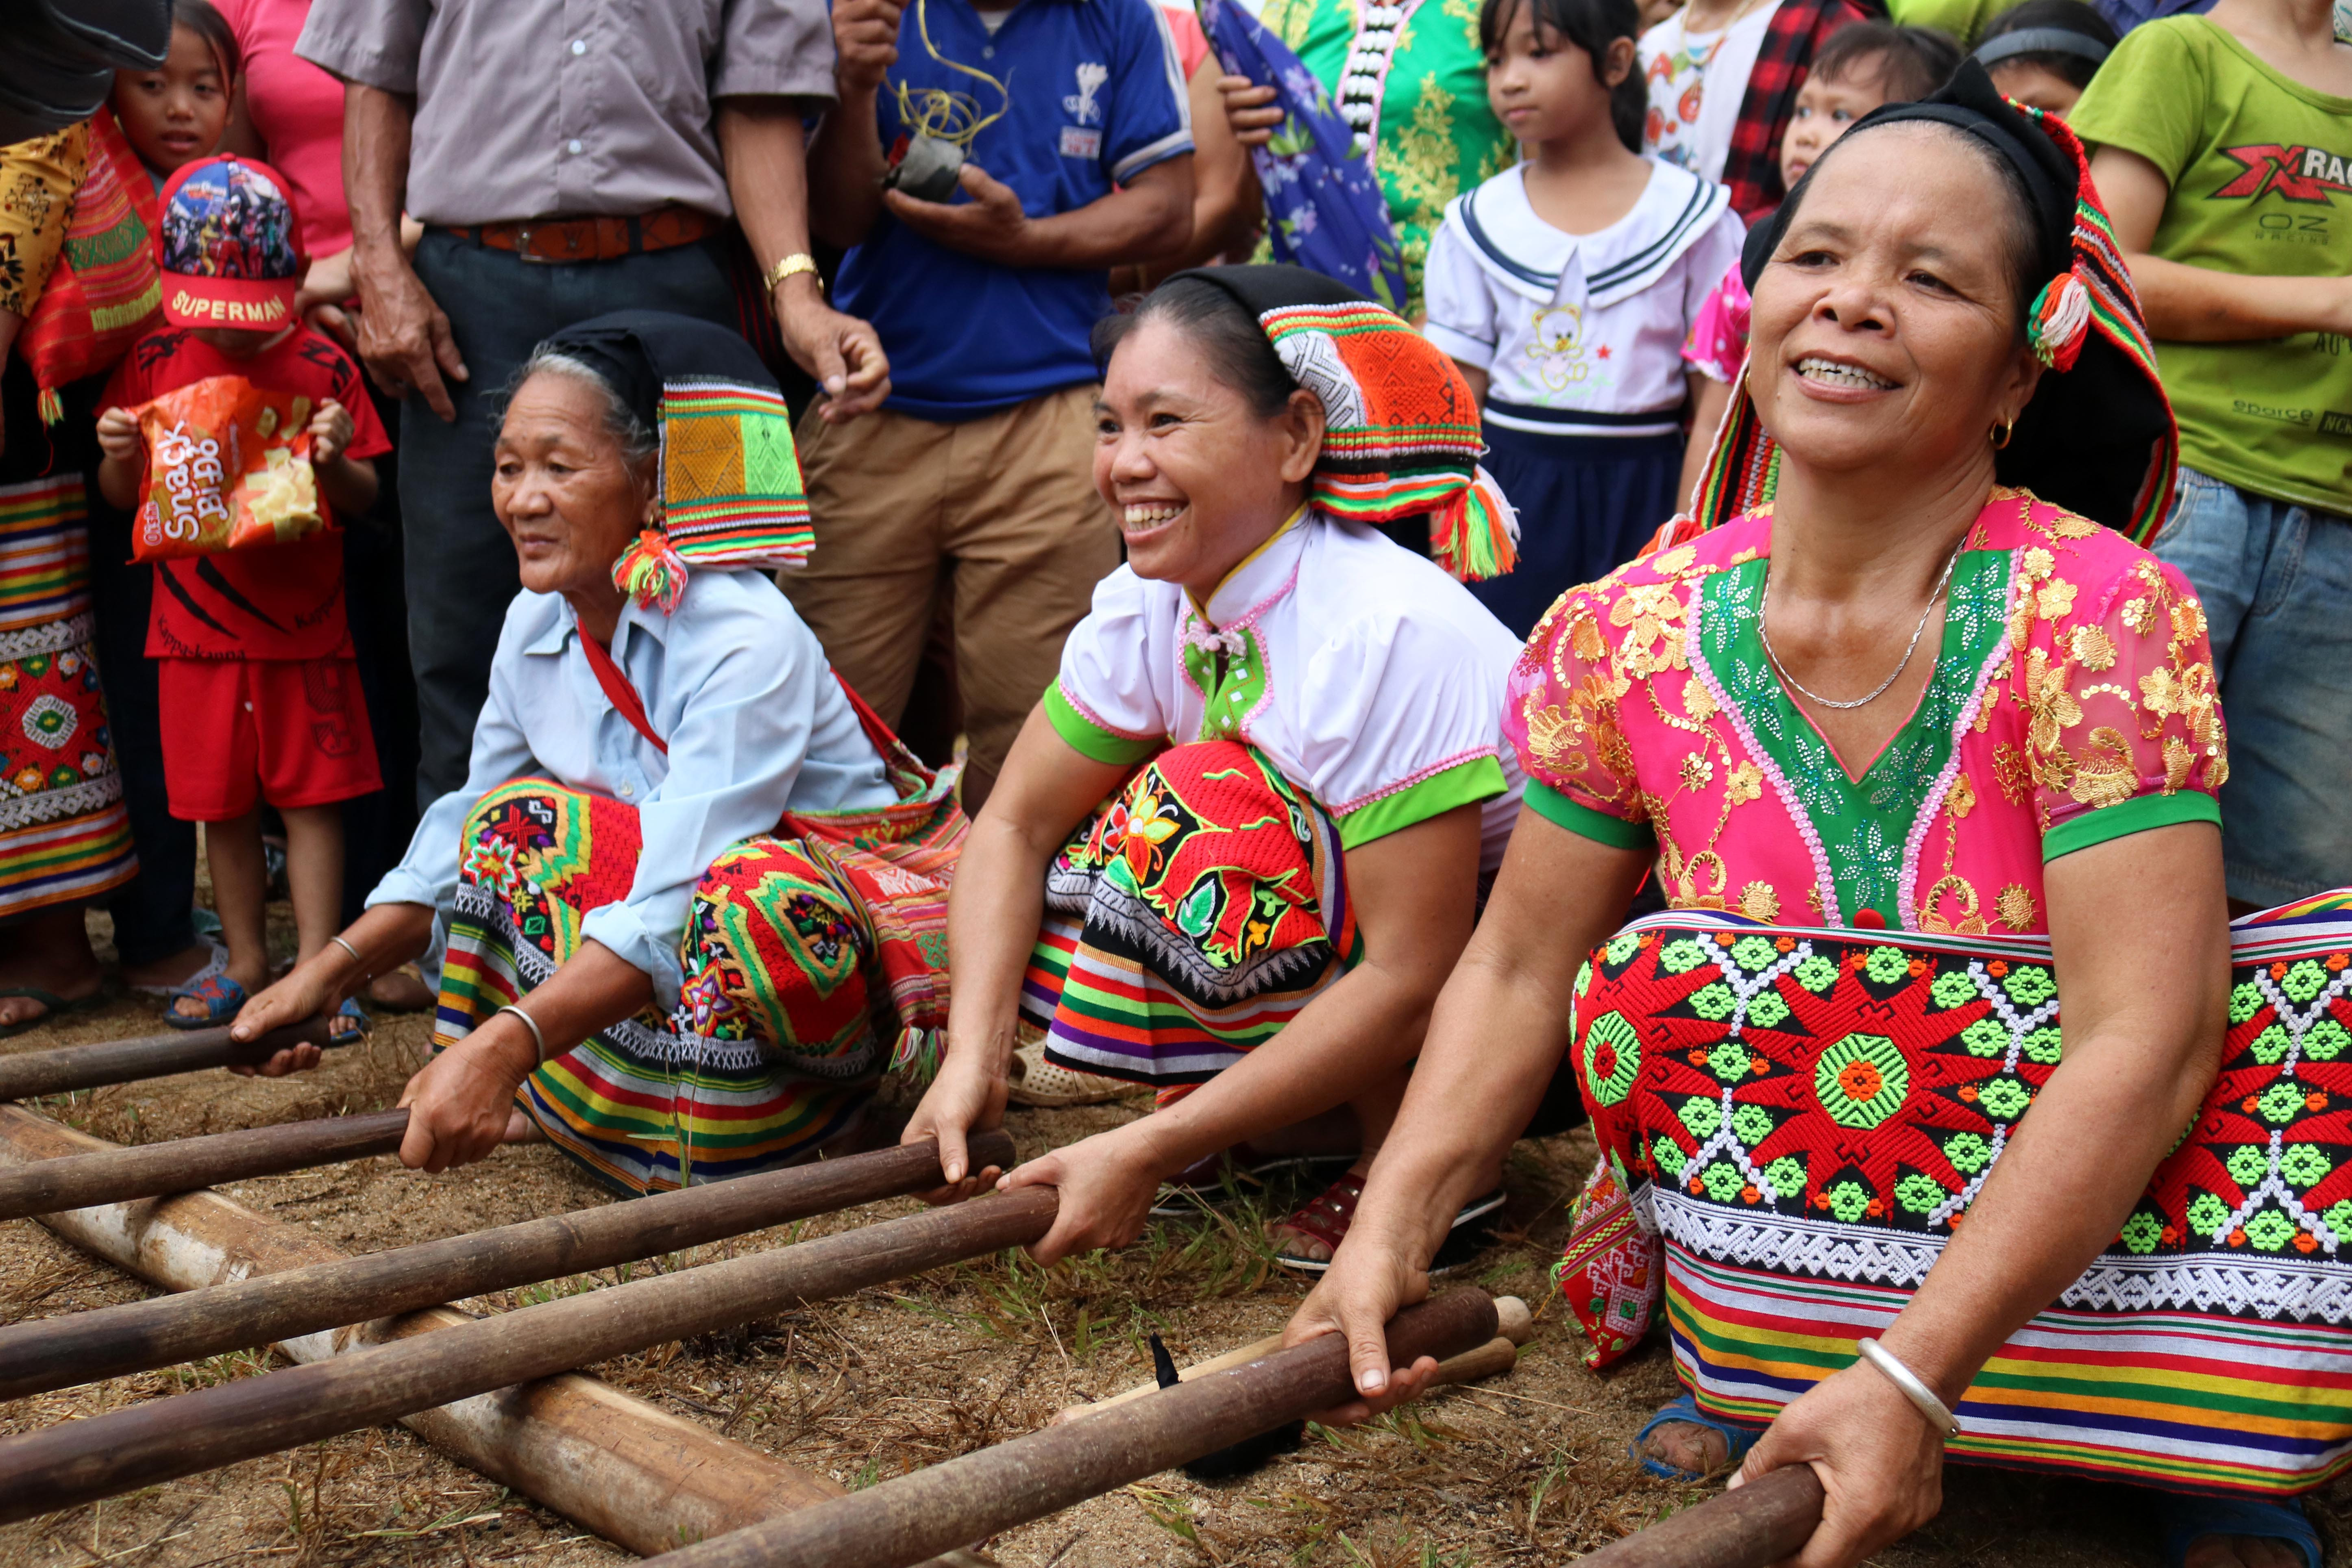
column 1227, row 335
column 1591, row 25
column 199, row 17
column 1910, row 62
column 2054, row 15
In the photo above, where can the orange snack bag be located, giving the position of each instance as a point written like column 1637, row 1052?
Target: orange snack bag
column 228, row 468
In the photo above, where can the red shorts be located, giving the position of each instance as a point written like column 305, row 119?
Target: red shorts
column 238, row 732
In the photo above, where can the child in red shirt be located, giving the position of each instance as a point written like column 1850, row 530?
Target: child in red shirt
column 259, row 687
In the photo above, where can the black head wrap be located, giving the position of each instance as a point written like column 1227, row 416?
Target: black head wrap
column 2098, row 436
column 637, row 350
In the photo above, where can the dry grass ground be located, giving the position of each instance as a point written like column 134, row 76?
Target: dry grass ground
column 1528, row 1468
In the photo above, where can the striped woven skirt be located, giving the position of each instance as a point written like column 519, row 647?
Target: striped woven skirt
column 773, row 1046
column 64, row 833
column 1792, row 1122
column 1188, row 919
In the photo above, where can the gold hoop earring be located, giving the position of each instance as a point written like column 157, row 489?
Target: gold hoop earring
column 2001, row 433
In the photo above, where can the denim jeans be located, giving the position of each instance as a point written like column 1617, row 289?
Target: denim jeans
column 459, row 563
column 2276, row 582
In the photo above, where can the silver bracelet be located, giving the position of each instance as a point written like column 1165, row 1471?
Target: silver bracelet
column 1938, row 1414
column 355, row 952
column 530, row 1022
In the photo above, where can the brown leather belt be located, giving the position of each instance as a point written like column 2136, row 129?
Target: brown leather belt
column 595, row 239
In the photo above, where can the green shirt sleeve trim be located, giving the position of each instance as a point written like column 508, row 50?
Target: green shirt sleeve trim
column 1583, row 820
column 1090, row 740
column 1480, row 778
column 2125, row 817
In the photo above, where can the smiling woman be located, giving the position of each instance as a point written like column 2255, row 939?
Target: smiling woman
column 1922, row 758
column 1240, row 842
column 687, row 869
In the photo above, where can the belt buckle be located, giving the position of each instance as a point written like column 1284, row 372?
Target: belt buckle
column 522, row 241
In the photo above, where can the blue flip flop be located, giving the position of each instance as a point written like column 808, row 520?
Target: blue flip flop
column 2185, row 1517
column 221, row 996
column 350, row 1011
column 1737, row 1439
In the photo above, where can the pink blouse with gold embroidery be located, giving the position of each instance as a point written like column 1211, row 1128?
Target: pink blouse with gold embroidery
column 2073, row 703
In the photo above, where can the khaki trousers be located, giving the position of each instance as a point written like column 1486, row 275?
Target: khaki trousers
column 998, row 513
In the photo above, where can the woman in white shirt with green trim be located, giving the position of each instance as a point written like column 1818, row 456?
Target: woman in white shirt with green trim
column 1242, row 837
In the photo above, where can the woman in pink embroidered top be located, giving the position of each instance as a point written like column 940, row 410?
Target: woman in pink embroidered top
column 1944, row 749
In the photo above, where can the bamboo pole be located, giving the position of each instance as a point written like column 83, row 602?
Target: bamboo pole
column 908, row 1519
column 162, row 1439
column 1763, row 1523
column 1514, row 1323
column 70, row 1068
column 635, row 1475
column 184, row 1164
column 82, row 1347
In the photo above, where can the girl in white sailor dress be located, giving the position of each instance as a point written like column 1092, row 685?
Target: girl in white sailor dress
column 1564, row 287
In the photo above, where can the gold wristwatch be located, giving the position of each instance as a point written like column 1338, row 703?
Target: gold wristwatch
column 799, row 261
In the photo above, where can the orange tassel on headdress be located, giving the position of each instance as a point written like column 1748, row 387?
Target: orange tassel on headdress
column 1476, row 535
column 650, row 571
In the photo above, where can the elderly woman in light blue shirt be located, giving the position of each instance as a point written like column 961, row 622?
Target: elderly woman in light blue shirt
column 685, row 857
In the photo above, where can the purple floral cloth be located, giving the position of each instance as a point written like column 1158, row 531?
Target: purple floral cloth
column 1323, row 204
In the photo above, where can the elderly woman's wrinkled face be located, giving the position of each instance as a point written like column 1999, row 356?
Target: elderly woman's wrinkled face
column 1886, row 325
column 562, row 488
column 1196, row 476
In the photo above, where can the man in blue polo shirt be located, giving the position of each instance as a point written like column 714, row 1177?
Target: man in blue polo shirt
column 976, row 478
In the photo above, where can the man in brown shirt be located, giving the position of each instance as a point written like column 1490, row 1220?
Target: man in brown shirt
column 566, row 158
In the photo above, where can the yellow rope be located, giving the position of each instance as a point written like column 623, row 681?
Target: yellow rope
column 944, row 116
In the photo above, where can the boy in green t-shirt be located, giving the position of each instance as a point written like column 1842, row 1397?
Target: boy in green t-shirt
column 2224, row 156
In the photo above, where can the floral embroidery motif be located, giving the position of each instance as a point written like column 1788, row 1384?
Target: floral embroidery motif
column 2074, row 677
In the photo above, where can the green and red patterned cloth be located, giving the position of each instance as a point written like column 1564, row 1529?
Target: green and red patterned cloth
column 1793, row 1120
column 1196, row 912
column 814, row 961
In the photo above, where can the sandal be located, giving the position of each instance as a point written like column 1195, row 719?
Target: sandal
column 1684, row 1411
column 350, row 1024
column 1334, row 1209
column 221, row 996
column 1210, row 1181
column 2186, row 1519
column 213, row 965
column 1033, row 1080
column 57, row 1007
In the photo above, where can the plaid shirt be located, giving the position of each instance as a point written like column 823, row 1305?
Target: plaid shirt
column 1752, row 169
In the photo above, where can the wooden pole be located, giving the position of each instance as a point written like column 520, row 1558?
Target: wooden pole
column 82, row 1347
column 1763, row 1523
column 908, row 1519
column 70, row 1068
column 161, row 1439
column 183, row 1164
column 637, row 1476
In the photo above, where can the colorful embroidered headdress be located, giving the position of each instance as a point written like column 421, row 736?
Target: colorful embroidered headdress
column 1400, row 426
column 730, row 479
column 2099, row 437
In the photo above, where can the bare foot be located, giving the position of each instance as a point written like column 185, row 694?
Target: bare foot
column 1296, row 1243
column 2243, row 1552
column 47, row 952
column 1687, row 1445
column 521, row 1128
column 401, row 991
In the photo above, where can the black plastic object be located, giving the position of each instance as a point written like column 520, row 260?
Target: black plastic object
column 928, row 171
column 1239, row 1458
